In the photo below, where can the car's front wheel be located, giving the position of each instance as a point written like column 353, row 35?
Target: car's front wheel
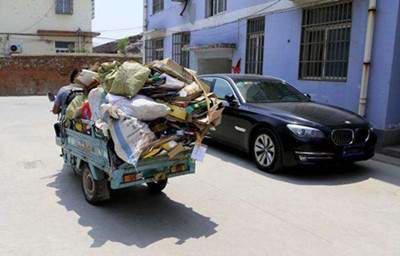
column 266, row 151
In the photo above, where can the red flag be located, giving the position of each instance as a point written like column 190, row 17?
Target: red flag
column 236, row 69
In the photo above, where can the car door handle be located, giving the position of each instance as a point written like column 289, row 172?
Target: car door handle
column 240, row 129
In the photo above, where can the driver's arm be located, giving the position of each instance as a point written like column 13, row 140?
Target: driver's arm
column 56, row 109
column 57, row 102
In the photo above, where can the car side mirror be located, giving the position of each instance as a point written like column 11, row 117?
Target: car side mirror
column 51, row 96
column 233, row 102
column 307, row 95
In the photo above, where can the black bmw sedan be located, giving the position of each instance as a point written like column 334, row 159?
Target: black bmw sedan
column 281, row 127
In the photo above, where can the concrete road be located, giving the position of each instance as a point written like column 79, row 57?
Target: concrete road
column 227, row 208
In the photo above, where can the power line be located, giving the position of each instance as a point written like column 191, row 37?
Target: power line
column 106, row 38
column 175, row 7
column 46, row 39
column 42, row 18
column 120, row 29
column 231, row 22
column 245, row 18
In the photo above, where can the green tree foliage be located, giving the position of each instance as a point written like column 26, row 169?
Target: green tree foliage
column 123, row 45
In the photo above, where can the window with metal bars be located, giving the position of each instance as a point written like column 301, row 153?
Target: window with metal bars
column 325, row 43
column 215, row 6
column 64, row 6
column 180, row 53
column 64, row 47
column 158, row 6
column 255, row 45
column 154, row 50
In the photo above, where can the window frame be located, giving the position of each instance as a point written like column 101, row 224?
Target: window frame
column 228, row 85
column 64, row 7
column 215, row 7
column 257, row 34
column 180, row 53
column 211, row 81
column 153, row 51
column 158, row 6
column 309, row 61
column 65, row 49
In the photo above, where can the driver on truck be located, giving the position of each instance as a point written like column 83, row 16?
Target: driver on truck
column 64, row 92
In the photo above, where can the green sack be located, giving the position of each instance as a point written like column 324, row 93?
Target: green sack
column 75, row 104
column 106, row 74
column 128, row 79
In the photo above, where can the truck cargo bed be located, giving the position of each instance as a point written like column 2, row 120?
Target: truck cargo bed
column 95, row 151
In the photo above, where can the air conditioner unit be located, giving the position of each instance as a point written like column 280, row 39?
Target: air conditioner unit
column 15, row 48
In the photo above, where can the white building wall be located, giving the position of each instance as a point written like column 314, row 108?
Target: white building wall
column 29, row 16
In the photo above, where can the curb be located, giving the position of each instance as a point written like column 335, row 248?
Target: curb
column 386, row 159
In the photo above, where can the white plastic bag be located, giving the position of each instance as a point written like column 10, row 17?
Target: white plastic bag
column 130, row 137
column 96, row 98
column 102, row 126
column 171, row 83
column 140, row 107
column 86, row 77
column 199, row 152
column 112, row 110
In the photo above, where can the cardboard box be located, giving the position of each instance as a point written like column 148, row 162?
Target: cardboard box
column 178, row 112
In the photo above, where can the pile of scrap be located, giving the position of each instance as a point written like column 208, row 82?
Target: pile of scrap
column 161, row 109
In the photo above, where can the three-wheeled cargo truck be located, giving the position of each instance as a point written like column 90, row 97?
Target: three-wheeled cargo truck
column 92, row 156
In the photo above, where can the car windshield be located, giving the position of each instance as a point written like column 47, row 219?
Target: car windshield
column 268, row 90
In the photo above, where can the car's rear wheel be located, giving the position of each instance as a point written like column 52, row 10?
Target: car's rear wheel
column 266, row 151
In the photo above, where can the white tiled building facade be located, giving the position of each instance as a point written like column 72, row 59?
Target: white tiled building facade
column 46, row 26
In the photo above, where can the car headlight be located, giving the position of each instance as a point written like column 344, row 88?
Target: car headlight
column 305, row 131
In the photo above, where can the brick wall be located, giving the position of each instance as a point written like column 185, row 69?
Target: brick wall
column 36, row 75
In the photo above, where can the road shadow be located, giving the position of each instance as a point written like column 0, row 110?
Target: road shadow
column 133, row 217
column 322, row 175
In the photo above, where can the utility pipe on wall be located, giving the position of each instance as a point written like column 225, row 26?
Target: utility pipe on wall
column 145, row 8
column 367, row 58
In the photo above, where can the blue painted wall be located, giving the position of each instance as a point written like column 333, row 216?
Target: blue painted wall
column 382, row 63
column 196, row 11
column 282, row 51
column 282, row 59
column 393, row 111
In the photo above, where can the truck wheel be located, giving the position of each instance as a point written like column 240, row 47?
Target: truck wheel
column 157, row 187
column 95, row 191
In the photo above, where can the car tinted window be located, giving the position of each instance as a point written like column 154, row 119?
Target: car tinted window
column 265, row 90
column 208, row 80
column 222, row 89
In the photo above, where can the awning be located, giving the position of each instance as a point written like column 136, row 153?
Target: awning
column 156, row 33
column 65, row 33
column 208, row 47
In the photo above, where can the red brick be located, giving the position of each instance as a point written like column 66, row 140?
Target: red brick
column 36, row 75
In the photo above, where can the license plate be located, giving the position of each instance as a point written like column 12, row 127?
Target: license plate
column 352, row 151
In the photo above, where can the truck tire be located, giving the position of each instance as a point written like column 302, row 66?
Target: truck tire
column 95, row 191
column 157, row 187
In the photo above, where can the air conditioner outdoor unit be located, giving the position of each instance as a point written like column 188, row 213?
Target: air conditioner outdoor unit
column 15, row 48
